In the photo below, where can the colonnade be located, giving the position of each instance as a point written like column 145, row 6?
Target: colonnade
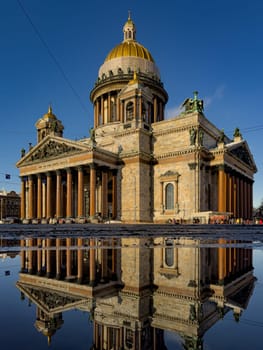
column 235, row 193
column 109, row 108
column 66, row 259
column 111, row 337
column 232, row 261
column 72, row 192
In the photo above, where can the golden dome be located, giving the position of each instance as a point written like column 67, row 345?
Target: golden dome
column 129, row 48
column 49, row 115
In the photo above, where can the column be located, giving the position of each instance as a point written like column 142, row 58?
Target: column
column 221, row 261
column 80, row 260
column 113, row 259
column 221, row 189
column 96, row 113
column 44, row 199
column 69, row 193
column 39, row 196
column 48, row 257
column 80, row 192
column 58, row 259
column 109, row 108
column 250, row 203
column 49, row 195
column 23, row 208
column 176, row 205
column 102, row 109
column 104, row 193
column 92, row 263
column 155, row 109
column 114, row 194
column 104, row 259
column 68, row 258
column 245, row 200
column 140, row 107
column 230, row 193
column 237, row 198
column 92, row 190
column 241, row 197
column 121, row 111
column 39, row 256
column 234, row 196
column 30, row 255
column 30, row 198
column 161, row 197
column 58, row 194
column 22, row 255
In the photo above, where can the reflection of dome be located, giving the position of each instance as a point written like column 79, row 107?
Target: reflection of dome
column 129, row 48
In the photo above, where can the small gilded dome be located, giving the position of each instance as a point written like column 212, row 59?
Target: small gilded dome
column 49, row 115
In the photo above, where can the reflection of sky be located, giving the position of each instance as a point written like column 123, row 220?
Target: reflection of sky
column 173, row 341
column 17, row 330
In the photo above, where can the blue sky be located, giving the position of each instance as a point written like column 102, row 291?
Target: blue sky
column 51, row 51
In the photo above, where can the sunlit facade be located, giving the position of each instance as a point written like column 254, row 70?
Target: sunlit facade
column 136, row 166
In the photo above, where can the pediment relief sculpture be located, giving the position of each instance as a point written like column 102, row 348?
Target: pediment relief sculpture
column 52, row 149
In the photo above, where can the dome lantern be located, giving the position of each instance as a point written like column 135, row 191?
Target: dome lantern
column 129, row 29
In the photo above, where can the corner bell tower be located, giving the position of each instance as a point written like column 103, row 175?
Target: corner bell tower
column 48, row 125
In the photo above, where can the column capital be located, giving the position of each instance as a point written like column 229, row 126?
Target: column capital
column 93, row 166
column 80, row 168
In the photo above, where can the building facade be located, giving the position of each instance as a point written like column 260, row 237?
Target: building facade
column 136, row 166
column 9, row 205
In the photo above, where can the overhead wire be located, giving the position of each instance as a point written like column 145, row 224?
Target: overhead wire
column 51, row 54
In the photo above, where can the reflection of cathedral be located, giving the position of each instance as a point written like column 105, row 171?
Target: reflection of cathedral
column 136, row 288
column 179, row 168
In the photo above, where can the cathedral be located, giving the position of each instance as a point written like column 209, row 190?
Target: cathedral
column 136, row 166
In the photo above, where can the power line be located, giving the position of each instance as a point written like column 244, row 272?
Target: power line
column 51, row 55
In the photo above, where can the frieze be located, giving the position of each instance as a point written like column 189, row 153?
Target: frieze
column 176, row 153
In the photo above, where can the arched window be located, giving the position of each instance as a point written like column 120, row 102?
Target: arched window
column 129, row 111
column 169, row 196
column 113, row 109
column 169, row 253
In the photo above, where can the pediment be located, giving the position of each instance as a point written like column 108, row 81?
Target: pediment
column 242, row 152
column 145, row 91
column 50, row 301
column 52, row 147
column 241, row 297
